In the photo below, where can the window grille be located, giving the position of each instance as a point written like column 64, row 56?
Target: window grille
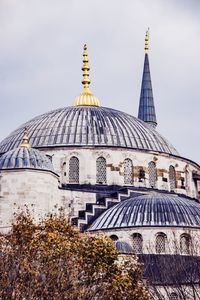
column 128, row 171
column 161, row 239
column 185, row 242
column 152, row 174
column 172, row 178
column 173, row 296
column 137, row 243
column 101, row 176
column 74, row 170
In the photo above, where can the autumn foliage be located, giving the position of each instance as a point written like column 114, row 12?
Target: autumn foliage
column 53, row 260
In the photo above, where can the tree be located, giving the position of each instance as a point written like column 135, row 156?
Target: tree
column 53, row 260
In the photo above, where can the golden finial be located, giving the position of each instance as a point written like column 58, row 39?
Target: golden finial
column 86, row 98
column 146, row 47
column 85, row 68
column 25, row 142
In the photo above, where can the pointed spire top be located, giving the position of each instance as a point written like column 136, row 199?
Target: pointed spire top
column 146, row 47
column 25, row 142
column 86, row 98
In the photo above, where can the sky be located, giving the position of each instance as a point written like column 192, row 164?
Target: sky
column 41, row 45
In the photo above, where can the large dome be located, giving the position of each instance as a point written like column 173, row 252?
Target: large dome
column 150, row 210
column 88, row 126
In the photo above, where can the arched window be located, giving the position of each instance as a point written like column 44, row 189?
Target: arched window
column 161, row 240
column 152, row 174
column 74, row 170
column 185, row 243
column 172, row 178
column 128, row 171
column 137, row 243
column 173, row 296
column 101, row 177
column 114, row 237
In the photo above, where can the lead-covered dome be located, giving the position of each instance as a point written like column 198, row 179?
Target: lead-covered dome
column 88, row 126
column 150, row 210
column 25, row 158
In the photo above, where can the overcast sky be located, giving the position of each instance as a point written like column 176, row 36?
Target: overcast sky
column 41, row 45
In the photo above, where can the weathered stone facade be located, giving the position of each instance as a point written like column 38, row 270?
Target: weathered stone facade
column 184, row 183
column 30, row 186
column 24, row 189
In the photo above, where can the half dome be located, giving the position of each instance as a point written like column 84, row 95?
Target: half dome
column 25, row 158
column 150, row 210
column 88, row 126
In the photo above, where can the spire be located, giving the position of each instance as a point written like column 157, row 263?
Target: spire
column 86, row 97
column 146, row 110
column 25, row 142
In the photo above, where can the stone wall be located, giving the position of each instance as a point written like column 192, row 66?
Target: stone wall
column 24, row 189
column 74, row 201
column 184, row 183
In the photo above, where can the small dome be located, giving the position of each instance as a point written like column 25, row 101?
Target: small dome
column 123, row 247
column 25, row 158
column 150, row 210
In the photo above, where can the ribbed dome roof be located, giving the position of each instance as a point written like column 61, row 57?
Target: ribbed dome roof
column 88, row 126
column 150, row 210
column 26, row 158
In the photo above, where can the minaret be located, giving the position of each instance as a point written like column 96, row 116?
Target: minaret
column 146, row 110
